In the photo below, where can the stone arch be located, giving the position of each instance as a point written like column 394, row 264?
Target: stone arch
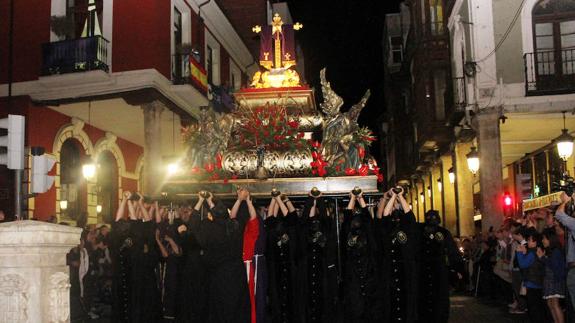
column 72, row 130
column 527, row 25
column 108, row 142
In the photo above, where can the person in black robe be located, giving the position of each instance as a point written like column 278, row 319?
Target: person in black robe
column 221, row 238
column 399, row 239
column 438, row 255
column 167, row 271
column 317, row 267
column 361, row 284
column 193, row 305
column 281, row 257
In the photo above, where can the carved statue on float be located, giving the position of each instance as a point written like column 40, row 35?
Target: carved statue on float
column 208, row 137
column 340, row 128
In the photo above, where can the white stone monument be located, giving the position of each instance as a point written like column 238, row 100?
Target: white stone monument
column 34, row 278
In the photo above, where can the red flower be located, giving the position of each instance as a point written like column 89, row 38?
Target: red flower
column 363, row 170
column 338, row 168
column 225, row 180
column 375, row 170
column 315, row 144
column 361, row 152
column 209, row 167
column 379, row 178
column 195, row 170
column 234, row 176
column 300, row 135
column 321, row 172
column 266, row 133
column 314, row 154
column 350, row 171
column 258, row 122
column 219, row 161
column 215, row 176
column 313, row 171
column 293, row 124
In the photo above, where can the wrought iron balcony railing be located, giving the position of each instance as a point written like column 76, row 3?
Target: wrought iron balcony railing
column 76, row 55
column 187, row 70
column 550, row 72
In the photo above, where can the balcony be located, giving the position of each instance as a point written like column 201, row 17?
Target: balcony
column 187, row 70
column 77, row 55
column 550, row 72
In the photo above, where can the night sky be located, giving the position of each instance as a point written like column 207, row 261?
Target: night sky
column 346, row 37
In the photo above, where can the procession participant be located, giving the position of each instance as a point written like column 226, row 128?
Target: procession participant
column 438, row 255
column 398, row 233
column 144, row 294
column 193, row 305
column 280, row 254
column 314, row 261
column 251, row 233
column 360, row 278
column 170, row 251
column 221, row 238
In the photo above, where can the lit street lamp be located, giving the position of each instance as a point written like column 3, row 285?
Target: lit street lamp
column 473, row 160
column 451, row 174
column 439, row 185
column 98, row 209
column 564, row 143
column 63, row 205
column 89, row 170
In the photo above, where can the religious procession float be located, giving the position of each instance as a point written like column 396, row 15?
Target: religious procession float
column 275, row 138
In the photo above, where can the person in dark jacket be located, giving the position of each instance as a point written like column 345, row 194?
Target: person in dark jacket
column 438, row 255
column 221, row 239
column 555, row 273
column 361, row 284
column 533, row 275
column 399, row 236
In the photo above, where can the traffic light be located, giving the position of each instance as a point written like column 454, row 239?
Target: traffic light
column 13, row 141
column 41, row 166
column 507, row 204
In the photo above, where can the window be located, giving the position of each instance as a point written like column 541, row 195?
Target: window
column 554, row 39
column 436, row 17
column 85, row 18
column 397, row 49
column 210, row 64
column 72, row 186
column 179, row 59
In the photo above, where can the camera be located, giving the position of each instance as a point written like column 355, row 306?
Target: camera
column 315, row 191
column 134, row 197
column 275, row 192
column 397, row 189
column 356, row 191
column 565, row 184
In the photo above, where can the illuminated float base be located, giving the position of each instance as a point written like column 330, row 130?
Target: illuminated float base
column 186, row 189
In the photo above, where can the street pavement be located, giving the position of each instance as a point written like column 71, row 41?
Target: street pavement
column 468, row 309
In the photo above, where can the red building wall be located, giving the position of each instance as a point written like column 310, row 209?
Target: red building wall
column 42, row 126
column 31, row 28
column 142, row 36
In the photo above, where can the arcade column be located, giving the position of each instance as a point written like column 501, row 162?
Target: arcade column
column 152, row 147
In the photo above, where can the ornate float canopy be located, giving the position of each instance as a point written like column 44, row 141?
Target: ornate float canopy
column 276, row 137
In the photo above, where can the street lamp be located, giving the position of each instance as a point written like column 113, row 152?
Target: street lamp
column 473, row 160
column 439, row 184
column 451, row 174
column 63, row 205
column 421, row 197
column 89, row 170
column 564, row 143
column 429, row 191
column 173, row 168
column 98, row 209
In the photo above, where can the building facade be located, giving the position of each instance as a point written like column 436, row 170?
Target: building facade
column 110, row 84
column 508, row 76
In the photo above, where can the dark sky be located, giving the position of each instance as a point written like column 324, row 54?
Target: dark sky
column 346, row 37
